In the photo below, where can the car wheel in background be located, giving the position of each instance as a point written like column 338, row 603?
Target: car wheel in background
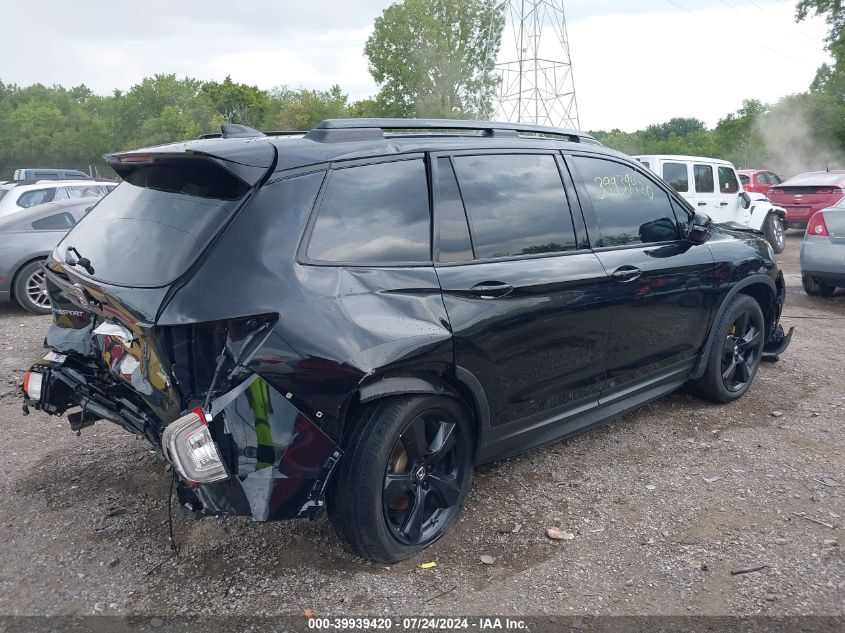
column 403, row 478
column 736, row 351
column 30, row 289
column 816, row 288
column 775, row 233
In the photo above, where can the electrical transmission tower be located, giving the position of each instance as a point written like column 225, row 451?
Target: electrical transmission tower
column 537, row 85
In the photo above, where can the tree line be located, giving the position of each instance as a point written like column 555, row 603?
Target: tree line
column 430, row 58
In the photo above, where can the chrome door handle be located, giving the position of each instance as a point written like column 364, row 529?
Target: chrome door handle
column 702, row 204
column 626, row 273
column 491, row 289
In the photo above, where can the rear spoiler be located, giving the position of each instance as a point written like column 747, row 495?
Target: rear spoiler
column 247, row 159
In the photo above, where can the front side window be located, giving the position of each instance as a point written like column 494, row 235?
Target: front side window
column 727, row 180
column 704, row 182
column 374, row 214
column 516, row 204
column 38, row 196
column 629, row 208
column 676, row 175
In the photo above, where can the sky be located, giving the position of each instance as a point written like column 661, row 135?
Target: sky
column 634, row 63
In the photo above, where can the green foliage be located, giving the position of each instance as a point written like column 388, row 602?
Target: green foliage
column 72, row 128
column 435, row 58
column 431, row 58
column 302, row 109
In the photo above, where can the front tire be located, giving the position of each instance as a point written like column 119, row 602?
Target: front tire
column 816, row 288
column 403, row 478
column 775, row 233
column 30, row 289
column 736, row 352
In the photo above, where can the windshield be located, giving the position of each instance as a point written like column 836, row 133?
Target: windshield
column 151, row 227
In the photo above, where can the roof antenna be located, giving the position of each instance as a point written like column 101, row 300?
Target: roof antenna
column 235, row 130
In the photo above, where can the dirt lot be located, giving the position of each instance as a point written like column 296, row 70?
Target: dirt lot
column 661, row 506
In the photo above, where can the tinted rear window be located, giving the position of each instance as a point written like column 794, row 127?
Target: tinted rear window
column 516, row 205
column 151, row 227
column 374, row 214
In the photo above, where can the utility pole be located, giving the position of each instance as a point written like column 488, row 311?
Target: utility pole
column 538, row 85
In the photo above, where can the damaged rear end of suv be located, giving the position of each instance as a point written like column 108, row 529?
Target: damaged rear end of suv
column 135, row 342
column 359, row 316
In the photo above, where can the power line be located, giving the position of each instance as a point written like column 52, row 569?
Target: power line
column 672, row 2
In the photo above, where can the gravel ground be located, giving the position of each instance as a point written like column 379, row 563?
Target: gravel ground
column 658, row 509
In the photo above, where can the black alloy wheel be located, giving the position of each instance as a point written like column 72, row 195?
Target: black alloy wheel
column 734, row 355
column 402, row 480
column 741, row 352
column 422, row 482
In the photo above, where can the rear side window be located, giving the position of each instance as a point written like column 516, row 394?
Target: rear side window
column 629, row 208
column 774, row 179
column 58, row 222
column 676, row 175
column 374, row 214
column 516, row 204
column 454, row 244
column 727, row 180
column 151, row 228
column 704, row 181
column 745, row 179
column 38, row 196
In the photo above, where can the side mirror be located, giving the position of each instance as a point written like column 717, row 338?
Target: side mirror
column 744, row 200
column 699, row 229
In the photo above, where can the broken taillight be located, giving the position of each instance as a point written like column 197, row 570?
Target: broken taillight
column 188, row 445
column 32, row 383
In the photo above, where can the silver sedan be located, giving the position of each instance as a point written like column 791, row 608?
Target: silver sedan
column 26, row 238
column 823, row 252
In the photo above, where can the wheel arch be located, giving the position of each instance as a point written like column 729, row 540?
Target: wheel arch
column 20, row 266
column 40, row 257
column 463, row 386
column 763, row 290
column 760, row 212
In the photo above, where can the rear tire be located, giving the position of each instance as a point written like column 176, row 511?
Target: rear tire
column 816, row 288
column 736, row 352
column 30, row 288
column 775, row 233
column 404, row 476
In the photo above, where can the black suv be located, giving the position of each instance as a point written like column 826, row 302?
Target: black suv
column 357, row 316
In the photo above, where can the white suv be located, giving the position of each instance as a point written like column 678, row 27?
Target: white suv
column 713, row 187
column 17, row 196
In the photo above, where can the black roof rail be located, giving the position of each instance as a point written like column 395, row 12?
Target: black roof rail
column 340, row 130
column 248, row 132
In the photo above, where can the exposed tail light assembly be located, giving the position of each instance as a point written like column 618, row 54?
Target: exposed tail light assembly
column 33, row 382
column 827, row 191
column 817, row 226
column 188, row 445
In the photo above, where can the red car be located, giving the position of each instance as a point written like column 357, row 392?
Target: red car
column 803, row 195
column 758, row 180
